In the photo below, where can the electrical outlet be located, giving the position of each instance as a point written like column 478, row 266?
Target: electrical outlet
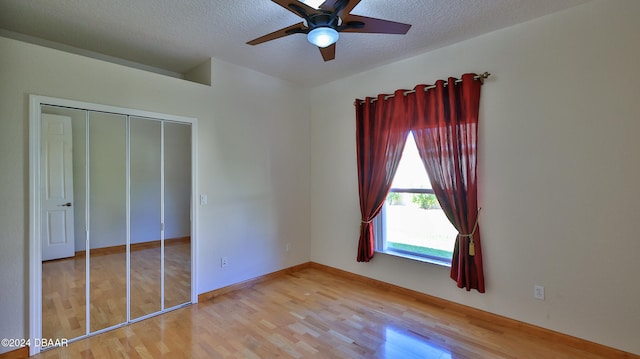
column 224, row 261
column 287, row 247
column 203, row 199
column 538, row 292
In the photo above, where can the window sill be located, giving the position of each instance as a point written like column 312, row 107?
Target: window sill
column 435, row 261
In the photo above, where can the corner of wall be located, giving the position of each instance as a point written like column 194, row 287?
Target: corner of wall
column 200, row 73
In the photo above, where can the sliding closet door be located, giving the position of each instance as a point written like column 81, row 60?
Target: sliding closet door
column 108, row 220
column 177, row 214
column 145, row 216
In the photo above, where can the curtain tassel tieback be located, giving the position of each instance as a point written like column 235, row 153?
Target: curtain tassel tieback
column 366, row 222
column 472, row 248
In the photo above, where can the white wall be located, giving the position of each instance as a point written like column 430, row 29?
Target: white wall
column 559, row 171
column 253, row 134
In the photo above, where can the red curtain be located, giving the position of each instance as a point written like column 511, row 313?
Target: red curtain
column 446, row 132
column 382, row 127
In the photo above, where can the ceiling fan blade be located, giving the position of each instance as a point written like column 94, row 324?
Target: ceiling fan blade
column 329, row 5
column 350, row 5
column 293, row 29
column 345, row 5
column 373, row 25
column 300, row 5
column 328, row 53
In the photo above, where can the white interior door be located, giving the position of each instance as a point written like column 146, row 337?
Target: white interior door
column 57, row 188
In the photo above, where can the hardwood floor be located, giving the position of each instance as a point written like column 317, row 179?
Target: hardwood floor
column 64, row 291
column 318, row 313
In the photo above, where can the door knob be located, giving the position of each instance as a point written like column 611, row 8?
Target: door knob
column 68, row 204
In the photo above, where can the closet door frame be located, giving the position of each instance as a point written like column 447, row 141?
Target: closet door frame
column 35, row 178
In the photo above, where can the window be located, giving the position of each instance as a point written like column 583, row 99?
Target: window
column 411, row 223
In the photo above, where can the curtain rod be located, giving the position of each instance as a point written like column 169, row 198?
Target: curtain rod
column 480, row 77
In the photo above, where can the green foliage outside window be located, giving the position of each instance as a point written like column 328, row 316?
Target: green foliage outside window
column 425, row 200
column 394, row 198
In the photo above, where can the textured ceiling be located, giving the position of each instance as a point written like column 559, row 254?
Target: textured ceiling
column 178, row 35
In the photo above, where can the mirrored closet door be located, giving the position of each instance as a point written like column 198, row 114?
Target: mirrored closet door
column 177, row 249
column 107, row 189
column 146, row 214
column 116, row 199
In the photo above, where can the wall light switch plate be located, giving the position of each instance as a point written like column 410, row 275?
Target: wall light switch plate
column 203, row 199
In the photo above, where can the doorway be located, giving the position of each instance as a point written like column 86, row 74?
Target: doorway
column 128, row 215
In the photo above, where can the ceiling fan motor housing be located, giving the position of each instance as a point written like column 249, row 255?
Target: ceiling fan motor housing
column 323, row 20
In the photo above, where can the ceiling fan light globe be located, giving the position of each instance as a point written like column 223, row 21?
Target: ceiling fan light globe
column 323, row 36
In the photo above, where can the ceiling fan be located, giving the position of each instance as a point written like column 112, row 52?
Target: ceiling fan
column 323, row 24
